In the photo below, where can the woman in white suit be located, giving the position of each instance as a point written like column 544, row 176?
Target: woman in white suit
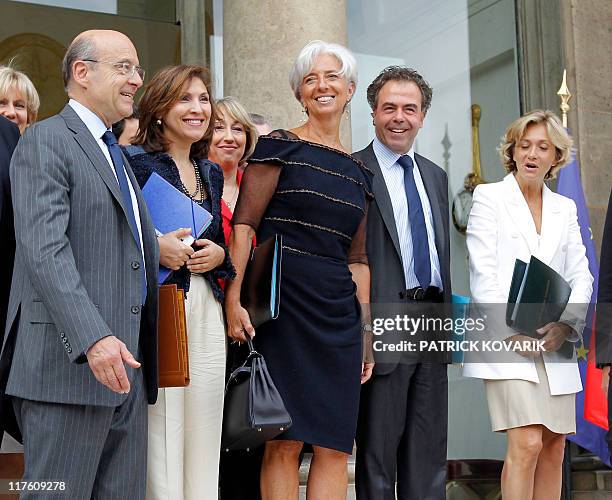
column 532, row 400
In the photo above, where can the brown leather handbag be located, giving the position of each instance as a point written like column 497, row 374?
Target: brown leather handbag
column 172, row 353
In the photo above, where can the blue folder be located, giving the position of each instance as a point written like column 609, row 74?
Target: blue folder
column 172, row 209
column 460, row 311
column 260, row 293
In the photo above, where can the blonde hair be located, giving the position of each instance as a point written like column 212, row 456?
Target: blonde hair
column 10, row 77
column 230, row 107
column 556, row 133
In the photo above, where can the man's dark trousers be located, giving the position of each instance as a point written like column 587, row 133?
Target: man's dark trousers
column 402, row 428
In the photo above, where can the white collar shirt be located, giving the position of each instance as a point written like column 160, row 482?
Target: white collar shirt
column 393, row 174
column 97, row 128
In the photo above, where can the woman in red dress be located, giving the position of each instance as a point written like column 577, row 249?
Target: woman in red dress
column 233, row 142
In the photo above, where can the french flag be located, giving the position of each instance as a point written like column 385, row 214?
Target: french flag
column 591, row 404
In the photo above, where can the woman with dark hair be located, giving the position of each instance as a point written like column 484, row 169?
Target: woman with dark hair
column 126, row 130
column 176, row 126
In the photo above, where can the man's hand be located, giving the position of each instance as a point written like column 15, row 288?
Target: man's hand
column 208, row 257
column 554, row 334
column 106, row 358
column 605, row 379
column 173, row 253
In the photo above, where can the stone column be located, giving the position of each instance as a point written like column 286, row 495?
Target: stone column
column 540, row 48
column 191, row 14
column 587, row 40
column 260, row 42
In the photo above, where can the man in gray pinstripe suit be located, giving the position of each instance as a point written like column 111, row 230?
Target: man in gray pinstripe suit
column 83, row 305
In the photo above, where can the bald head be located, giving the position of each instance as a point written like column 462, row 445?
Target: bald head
column 102, row 72
column 86, row 46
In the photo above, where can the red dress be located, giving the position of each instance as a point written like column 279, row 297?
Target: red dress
column 226, row 213
column 226, row 220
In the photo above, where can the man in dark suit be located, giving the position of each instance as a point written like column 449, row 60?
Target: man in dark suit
column 603, row 350
column 83, row 304
column 403, row 416
column 9, row 135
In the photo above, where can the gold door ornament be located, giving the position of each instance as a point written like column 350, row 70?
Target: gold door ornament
column 462, row 202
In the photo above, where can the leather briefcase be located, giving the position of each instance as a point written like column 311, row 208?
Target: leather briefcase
column 172, row 354
column 253, row 411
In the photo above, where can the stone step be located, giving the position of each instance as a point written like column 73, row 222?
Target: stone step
column 304, row 468
column 591, row 495
column 349, row 496
column 597, row 480
column 304, row 476
column 582, row 460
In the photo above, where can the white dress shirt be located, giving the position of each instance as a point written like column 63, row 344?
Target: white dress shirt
column 97, row 128
column 393, row 174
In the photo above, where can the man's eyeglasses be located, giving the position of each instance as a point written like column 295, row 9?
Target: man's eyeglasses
column 125, row 68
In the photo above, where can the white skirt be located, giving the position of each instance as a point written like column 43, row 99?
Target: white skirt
column 517, row 403
column 184, row 436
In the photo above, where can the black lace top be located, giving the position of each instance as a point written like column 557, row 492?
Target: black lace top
column 265, row 194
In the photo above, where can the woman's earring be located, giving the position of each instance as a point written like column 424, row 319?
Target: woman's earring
column 347, row 111
column 158, row 121
column 304, row 114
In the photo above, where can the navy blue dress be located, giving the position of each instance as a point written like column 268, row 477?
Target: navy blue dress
column 316, row 197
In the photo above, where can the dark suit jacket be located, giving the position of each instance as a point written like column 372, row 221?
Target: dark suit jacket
column 9, row 135
column 383, row 249
column 604, row 295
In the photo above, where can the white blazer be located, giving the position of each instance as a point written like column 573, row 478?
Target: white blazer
column 500, row 230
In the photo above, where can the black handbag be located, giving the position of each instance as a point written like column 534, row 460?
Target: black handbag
column 253, row 411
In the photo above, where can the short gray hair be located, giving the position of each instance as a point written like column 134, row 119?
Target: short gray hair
column 81, row 48
column 304, row 61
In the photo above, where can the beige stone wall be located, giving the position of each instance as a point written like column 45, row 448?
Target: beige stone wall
column 260, row 42
column 588, row 36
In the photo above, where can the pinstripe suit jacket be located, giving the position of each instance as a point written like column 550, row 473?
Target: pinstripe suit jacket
column 77, row 269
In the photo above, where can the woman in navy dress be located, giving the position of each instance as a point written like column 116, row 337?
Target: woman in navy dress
column 303, row 185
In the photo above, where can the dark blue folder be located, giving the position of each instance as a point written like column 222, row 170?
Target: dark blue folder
column 172, row 209
column 260, row 293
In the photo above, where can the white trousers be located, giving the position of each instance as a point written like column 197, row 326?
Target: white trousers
column 185, row 423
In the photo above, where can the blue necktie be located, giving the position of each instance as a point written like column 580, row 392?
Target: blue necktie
column 418, row 230
column 115, row 152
